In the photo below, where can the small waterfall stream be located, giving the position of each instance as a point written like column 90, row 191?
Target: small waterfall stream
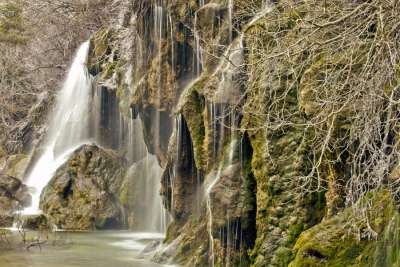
column 210, row 183
column 198, row 58
column 68, row 127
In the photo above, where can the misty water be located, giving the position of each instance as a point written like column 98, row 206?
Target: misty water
column 100, row 248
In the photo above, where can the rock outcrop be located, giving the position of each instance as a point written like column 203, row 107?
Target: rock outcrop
column 14, row 196
column 84, row 192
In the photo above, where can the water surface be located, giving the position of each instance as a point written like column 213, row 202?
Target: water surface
column 101, row 248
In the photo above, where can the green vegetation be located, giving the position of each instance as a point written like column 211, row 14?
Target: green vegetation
column 13, row 27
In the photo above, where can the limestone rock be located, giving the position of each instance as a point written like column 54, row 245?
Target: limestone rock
column 83, row 193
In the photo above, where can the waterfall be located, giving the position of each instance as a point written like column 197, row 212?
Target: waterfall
column 172, row 45
column 210, row 183
column 152, row 214
column 198, row 59
column 68, row 126
column 230, row 10
column 201, row 3
column 158, row 31
column 265, row 8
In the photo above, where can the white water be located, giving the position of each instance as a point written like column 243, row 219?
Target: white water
column 68, row 127
column 172, row 45
column 201, row 3
column 211, row 181
column 198, row 65
column 230, row 11
column 265, row 8
column 158, row 30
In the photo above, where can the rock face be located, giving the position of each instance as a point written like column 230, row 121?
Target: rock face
column 14, row 196
column 275, row 80
column 14, row 165
column 84, row 192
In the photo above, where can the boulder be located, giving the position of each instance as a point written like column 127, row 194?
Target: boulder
column 14, row 196
column 37, row 222
column 83, row 194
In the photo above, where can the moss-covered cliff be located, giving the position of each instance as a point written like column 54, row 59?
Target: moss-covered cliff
column 275, row 124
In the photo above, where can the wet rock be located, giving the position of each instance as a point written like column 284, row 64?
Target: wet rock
column 149, row 251
column 167, row 252
column 84, row 192
column 37, row 222
column 13, row 189
column 13, row 197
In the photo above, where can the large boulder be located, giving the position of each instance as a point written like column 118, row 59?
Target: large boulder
column 84, row 192
column 14, row 196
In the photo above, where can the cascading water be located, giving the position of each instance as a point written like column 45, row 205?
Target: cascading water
column 230, row 11
column 159, row 15
column 152, row 214
column 172, row 45
column 68, row 128
column 198, row 58
column 210, row 183
column 201, row 3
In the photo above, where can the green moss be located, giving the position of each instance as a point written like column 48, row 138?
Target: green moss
column 107, row 74
column 193, row 113
column 195, row 220
column 283, row 256
column 328, row 243
column 295, row 232
column 14, row 28
column 99, row 50
column 171, row 234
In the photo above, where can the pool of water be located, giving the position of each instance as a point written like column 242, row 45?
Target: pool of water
column 100, row 248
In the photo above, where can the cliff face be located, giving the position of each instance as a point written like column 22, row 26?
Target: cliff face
column 266, row 117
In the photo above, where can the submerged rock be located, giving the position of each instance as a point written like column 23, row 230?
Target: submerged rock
column 13, row 197
column 83, row 193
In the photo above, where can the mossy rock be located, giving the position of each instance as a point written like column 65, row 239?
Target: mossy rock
column 99, row 50
column 83, row 194
column 327, row 245
column 331, row 244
